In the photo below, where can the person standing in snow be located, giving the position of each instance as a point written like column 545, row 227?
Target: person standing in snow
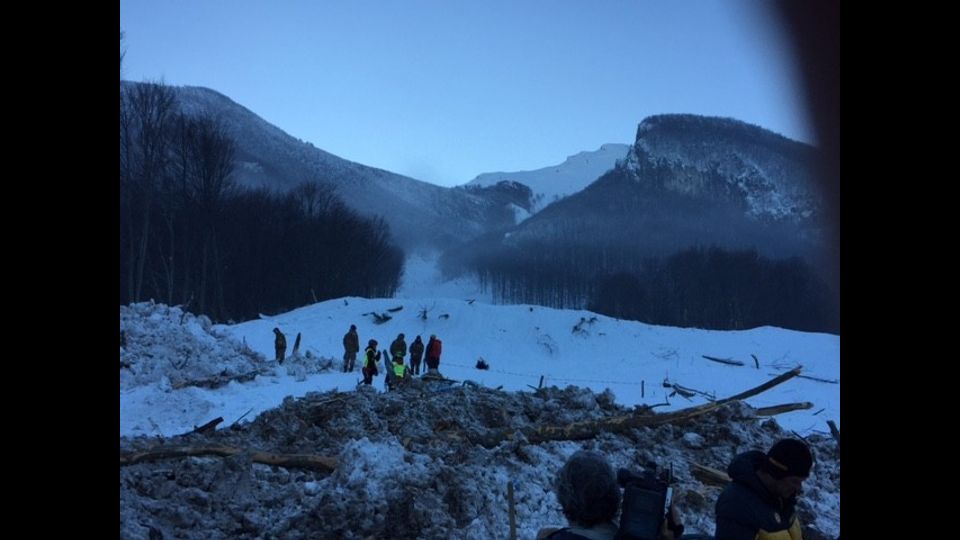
column 400, row 374
column 280, row 344
column 351, row 346
column 416, row 353
column 370, row 358
column 760, row 502
column 398, row 349
column 434, row 348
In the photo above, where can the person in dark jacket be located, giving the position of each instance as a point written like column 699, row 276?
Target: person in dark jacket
column 760, row 502
column 370, row 358
column 280, row 344
column 398, row 349
column 416, row 353
column 351, row 346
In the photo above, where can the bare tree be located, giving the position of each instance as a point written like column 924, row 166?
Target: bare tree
column 144, row 120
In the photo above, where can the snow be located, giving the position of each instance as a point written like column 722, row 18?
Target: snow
column 521, row 343
column 557, row 181
column 449, row 491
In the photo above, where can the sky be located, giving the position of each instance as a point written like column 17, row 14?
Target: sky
column 444, row 90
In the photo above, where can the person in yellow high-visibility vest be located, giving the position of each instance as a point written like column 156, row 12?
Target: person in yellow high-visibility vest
column 399, row 373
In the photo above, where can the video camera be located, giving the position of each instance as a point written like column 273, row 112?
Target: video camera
column 646, row 500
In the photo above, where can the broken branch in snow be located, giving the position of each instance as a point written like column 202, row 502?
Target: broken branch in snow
column 590, row 428
column 786, row 407
column 817, row 379
column 237, row 421
column 290, row 461
column 723, row 360
column 512, row 512
column 687, row 392
column 709, row 475
column 209, row 427
column 215, row 382
column 834, row 431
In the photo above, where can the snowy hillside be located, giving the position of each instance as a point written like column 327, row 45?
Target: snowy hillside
column 420, row 463
column 521, row 343
column 555, row 182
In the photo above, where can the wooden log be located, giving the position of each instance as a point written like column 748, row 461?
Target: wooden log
column 513, row 511
column 709, row 475
column 834, row 431
column 289, row 461
column 216, row 381
column 296, row 346
column 209, row 427
column 723, row 360
column 818, row 379
column 589, row 429
column 786, row 407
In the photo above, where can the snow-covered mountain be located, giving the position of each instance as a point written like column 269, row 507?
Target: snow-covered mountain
column 769, row 173
column 419, row 213
column 692, row 180
column 553, row 183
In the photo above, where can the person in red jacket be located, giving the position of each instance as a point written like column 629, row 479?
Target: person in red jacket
column 434, row 348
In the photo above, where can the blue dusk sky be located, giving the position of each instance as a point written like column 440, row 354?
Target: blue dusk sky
column 443, row 90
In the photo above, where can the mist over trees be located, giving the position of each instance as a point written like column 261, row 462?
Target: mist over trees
column 189, row 235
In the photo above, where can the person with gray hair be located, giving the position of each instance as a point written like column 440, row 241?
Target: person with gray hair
column 587, row 489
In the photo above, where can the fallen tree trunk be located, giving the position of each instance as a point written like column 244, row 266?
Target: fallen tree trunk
column 215, row 382
column 590, row 428
column 709, row 475
column 723, row 360
column 834, row 431
column 818, row 379
column 290, row 461
column 786, row 407
column 209, row 427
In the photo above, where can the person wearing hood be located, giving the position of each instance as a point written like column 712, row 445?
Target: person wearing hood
column 370, row 357
column 416, row 354
column 279, row 344
column 760, row 503
column 351, row 346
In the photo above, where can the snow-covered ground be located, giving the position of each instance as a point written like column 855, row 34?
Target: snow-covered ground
column 166, row 349
column 520, row 343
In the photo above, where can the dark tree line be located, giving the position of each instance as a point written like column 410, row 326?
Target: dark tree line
column 188, row 235
column 717, row 289
column 698, row 287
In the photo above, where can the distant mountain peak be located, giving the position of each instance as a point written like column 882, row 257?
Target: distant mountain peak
column 771, row 174
column 552, row 183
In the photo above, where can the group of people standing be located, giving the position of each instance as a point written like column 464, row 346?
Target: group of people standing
column 398, row 351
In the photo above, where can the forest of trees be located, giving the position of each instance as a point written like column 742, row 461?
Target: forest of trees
column 190, row 236
column 698, row 287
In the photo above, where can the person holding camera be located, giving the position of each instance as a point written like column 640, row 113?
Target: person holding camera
column 589, row 493
column 760, row 502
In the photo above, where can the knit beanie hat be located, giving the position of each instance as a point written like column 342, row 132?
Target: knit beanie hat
column 789, row 457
